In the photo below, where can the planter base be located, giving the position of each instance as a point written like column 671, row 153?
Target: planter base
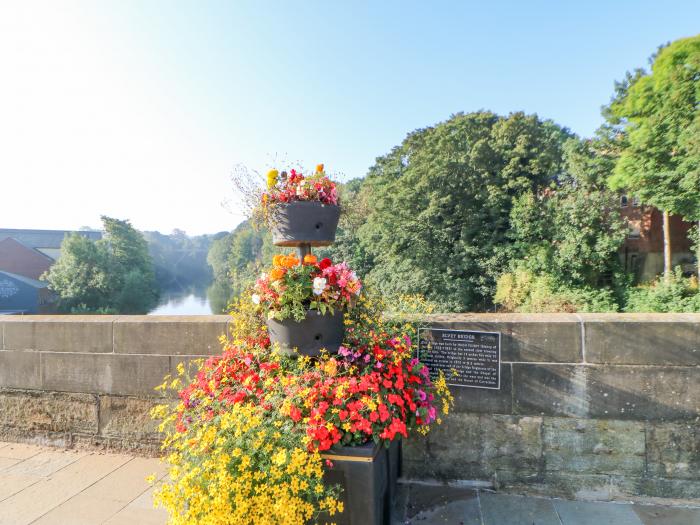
column 362, row 472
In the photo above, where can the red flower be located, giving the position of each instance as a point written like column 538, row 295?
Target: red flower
column 295, row 414
column 325, row 263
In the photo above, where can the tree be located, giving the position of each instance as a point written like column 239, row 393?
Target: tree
column 566, row 239
column 438, row 205
column 114, row 274
column 656, row 118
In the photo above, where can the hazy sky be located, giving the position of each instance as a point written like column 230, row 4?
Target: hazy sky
column 141, row 109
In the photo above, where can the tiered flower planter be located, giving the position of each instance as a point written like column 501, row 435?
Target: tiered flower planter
column 368, row 474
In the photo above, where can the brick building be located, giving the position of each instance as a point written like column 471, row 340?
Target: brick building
column 24, row 257
column 643, row 251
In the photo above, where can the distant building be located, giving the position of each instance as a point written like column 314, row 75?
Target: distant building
column 24, row 256
column 24, row 295
column 642, row 253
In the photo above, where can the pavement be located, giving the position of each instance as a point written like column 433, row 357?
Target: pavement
column 420, row 504
column 48, row 486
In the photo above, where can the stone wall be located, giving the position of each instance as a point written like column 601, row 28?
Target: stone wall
column 597, row 406
column 67, row 380
column 591, row 406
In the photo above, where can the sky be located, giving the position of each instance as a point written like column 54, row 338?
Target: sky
column 140, row 110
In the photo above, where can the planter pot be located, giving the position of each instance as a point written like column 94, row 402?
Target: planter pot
column 394, row 458
column 297, row 223
column 362, row 472
column 310, row 335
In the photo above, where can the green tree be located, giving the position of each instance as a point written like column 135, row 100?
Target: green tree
column 566, row 240
column 114, row 274
column 438, row 205
column 655, row 120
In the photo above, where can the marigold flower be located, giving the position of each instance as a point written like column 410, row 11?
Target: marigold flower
column 277, row 273
column 289, row 261
column 277, row 260
column 319, row 168
column 272, row 178
column 310, row 259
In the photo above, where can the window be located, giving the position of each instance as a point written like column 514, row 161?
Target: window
column 623, row 201
column 635, row 202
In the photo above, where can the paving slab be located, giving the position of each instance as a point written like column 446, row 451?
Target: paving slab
column 81, row 510
column 40, row 498
column 503, row 509
column 667, row 515
column 11, row 485
column 140, row 511
column 7, row 462
column 593, row 513
column 44, row 463
column 20, row 451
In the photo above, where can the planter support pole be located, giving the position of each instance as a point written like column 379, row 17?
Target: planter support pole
column 303, row 249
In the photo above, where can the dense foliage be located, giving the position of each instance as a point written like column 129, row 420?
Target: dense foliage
column 111, row 275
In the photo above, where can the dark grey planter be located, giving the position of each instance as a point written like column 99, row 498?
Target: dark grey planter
column 362, row 473
column 310, row 335
column 300, row 222
column 394, row 457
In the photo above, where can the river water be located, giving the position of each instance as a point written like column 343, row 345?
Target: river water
column 183, row 303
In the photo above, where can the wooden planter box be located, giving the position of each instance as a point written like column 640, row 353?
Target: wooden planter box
column 310, row 335
column 304, row 223
column 363, row 473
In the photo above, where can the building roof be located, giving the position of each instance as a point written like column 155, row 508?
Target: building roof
column 26, row 280
column 44, row 238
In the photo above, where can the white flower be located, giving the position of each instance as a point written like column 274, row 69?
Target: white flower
column 319, row 285
column 255, row 298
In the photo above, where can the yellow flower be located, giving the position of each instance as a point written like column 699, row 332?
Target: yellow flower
column 272, row 178
column 319, row 168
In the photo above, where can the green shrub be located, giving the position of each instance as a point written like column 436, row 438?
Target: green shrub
column 679, row 294
column 523, row 291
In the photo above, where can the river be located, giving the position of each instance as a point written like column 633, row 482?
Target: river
column 183, row 302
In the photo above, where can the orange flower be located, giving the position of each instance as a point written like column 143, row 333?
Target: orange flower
column 289, row 261
column 277, row 273
column 319, row 168
column 277, row 260
column 310, row 258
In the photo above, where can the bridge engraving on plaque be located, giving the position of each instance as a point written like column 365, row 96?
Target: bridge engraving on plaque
column 468, row 359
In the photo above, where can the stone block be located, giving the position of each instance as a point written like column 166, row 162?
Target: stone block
column 59, row 333
column 643, row 339
column 673, row 450
column 20, row 369
column 669, row 488
column 511, row 446
column 553, row 390
column 485, row 400
column 554, row 338
column 450, row 450
column 135, row 375
column 590, row 447
column 169, row 335
column 37, row 412
column 127, row 417
column 644, row 392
